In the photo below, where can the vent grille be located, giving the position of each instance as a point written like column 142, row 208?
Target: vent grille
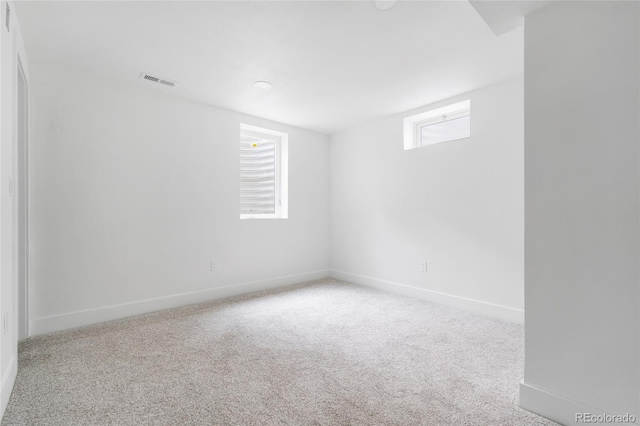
column 158, row 80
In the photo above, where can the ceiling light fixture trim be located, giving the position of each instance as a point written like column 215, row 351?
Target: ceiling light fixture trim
column 262, row 85
column 384, row 5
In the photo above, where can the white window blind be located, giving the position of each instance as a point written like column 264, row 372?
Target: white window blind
column 258, row 174
column 447, row 128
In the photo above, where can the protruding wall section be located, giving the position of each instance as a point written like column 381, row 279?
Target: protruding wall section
column 582, row 197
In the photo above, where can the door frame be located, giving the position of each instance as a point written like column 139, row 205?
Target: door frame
column 21, row 210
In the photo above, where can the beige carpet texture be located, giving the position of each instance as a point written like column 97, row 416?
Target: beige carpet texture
column 319, row 353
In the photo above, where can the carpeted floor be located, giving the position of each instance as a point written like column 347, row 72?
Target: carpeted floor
column 322, row 353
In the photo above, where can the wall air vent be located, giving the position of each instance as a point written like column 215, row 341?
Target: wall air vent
column 158, row 80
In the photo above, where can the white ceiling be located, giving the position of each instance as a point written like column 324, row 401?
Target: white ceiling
column 332, row 64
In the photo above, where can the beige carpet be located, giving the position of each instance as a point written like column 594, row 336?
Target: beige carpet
column 321, row 353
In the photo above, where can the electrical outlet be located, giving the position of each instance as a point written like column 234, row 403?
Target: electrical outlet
column 423, row 266
column 214, row 267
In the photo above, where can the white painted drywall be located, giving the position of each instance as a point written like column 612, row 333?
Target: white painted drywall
column 582, row 139
column 135, row 192
column 458, row 205
column 11, row 48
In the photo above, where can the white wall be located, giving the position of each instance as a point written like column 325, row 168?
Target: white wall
column 11, row 47
column 582, row 105
column 457, row 205
column 134, row 193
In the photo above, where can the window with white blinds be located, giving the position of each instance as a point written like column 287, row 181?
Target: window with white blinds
column 262, row 168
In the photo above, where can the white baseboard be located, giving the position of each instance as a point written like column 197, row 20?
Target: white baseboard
column 472, row 305
column 6, row 386
column 558, row 408
column 107, row 313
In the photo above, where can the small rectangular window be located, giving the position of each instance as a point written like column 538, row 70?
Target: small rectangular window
column 445, row 124
column 263, row 173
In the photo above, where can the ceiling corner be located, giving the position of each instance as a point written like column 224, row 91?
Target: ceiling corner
column 505, row 16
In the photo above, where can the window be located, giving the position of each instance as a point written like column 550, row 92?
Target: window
column 263, row 173
column 445, row 124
